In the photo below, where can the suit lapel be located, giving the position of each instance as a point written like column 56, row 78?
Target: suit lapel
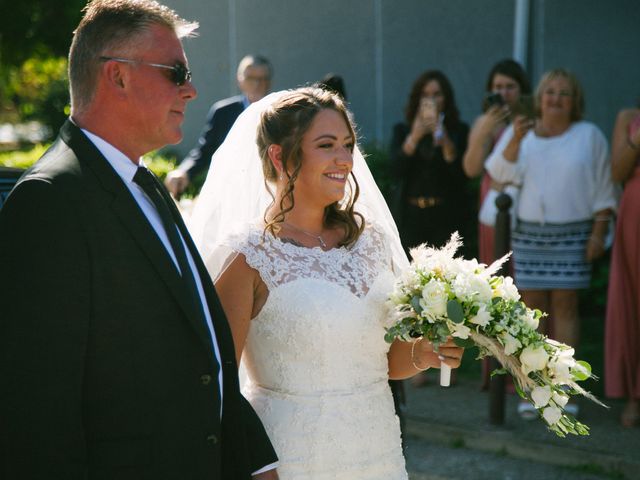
column 221, row 328
column 127, row 210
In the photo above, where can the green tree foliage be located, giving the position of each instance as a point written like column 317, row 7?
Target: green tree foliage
column 36, row 28
column 39, row 90
column 35, row 36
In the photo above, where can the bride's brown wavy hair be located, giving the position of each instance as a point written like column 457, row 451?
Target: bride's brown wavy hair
column 284, row 123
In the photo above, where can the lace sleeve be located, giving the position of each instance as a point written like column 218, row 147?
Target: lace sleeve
column 252, row 243
column 379, row 248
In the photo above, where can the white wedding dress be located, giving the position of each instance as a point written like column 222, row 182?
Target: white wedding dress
column 317, row 360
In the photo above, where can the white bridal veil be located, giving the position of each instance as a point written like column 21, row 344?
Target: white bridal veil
column 234, row 193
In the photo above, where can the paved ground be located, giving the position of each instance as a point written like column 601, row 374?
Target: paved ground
column 448, row 436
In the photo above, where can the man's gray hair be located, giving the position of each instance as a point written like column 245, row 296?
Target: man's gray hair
column 111, row 27
column 254, row 61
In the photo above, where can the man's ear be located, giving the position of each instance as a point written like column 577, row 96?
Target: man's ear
column 115, row 74
column 275, row 155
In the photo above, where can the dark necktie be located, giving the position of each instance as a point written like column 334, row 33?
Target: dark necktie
column 151, row 186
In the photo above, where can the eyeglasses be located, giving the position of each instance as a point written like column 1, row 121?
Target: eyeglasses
column 255, row 78
column 180, row 74
column 561, row 93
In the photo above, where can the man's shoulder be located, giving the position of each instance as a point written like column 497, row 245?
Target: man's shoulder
column 236, row 102
column 58, row 162
column 64, row 166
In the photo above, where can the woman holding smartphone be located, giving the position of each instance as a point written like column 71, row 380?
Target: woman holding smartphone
column 506, row 83
column 426, row 155
column 567, row 198
column 430, row 200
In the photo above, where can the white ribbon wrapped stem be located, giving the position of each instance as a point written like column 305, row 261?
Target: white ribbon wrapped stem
column 445, row 375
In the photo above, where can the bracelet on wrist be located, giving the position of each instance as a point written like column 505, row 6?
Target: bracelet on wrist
column 602, row 218
column 413, row 357
column 634, row 146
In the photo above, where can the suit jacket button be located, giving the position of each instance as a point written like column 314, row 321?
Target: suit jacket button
column 212, row 439
column 205, row 379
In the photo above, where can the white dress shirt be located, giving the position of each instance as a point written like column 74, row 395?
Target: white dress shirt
column 563, row 179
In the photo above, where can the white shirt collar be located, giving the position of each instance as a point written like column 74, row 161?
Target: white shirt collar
column 122, row 164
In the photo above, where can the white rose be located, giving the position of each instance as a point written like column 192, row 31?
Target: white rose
column 533, row 359
column 460, row 331
column 511, row 344
column 560, row 399
column 507, row 290
column 541, row 396
column 482, row 318
column 481, row 287
column 470, row 286
column 552, row 414
column 434, row 299
column 530, row 320
column 461, row 287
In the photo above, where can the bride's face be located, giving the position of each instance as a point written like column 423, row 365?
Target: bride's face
column 327, row 160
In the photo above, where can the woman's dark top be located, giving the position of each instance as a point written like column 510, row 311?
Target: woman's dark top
column 431, row 200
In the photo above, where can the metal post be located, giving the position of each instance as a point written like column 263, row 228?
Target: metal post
column 501, row 247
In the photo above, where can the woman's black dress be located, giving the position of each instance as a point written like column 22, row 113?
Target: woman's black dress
column 430, row 199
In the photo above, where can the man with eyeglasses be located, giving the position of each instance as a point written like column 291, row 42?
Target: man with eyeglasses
column 116, row 357
column 254, row 80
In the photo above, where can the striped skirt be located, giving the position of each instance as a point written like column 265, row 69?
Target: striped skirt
column 551, row 256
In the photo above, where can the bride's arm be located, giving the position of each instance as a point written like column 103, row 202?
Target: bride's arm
column 406, row 360
column 240, row 289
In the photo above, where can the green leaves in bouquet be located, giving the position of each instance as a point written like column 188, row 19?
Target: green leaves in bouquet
column 582, row 371
column 455, row 311
column 415, row 303
column 404, row 329
column 464, row 342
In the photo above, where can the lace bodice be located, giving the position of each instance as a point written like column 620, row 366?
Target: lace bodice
column 278, row 262
column 317, row 359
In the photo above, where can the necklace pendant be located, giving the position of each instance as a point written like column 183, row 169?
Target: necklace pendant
column 308, row 234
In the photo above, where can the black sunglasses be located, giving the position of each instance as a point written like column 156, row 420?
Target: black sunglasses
column 180, row 74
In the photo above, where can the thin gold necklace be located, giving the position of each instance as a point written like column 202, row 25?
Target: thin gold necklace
column 309, row 234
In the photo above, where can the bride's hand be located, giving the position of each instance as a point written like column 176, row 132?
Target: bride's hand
column 448, row 353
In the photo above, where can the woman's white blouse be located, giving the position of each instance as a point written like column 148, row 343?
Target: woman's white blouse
column 563, row 179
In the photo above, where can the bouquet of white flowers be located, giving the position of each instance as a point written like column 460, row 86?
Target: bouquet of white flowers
column 441, row 295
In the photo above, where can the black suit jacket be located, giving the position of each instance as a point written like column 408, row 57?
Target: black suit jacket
column 220, row 119
column 104, row 371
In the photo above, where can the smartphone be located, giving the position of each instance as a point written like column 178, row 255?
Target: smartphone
column 493, row 99
column 525, row 106
column 439, row 132
column 428, row 108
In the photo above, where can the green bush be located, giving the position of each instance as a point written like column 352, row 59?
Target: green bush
column 39, row 90
column 158, row 163
column 22, row 158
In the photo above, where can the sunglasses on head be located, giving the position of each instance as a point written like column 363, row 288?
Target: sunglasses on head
column 180, row 74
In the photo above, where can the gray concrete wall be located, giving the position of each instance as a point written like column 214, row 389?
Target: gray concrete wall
column 600, row 42
column 380, row 46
